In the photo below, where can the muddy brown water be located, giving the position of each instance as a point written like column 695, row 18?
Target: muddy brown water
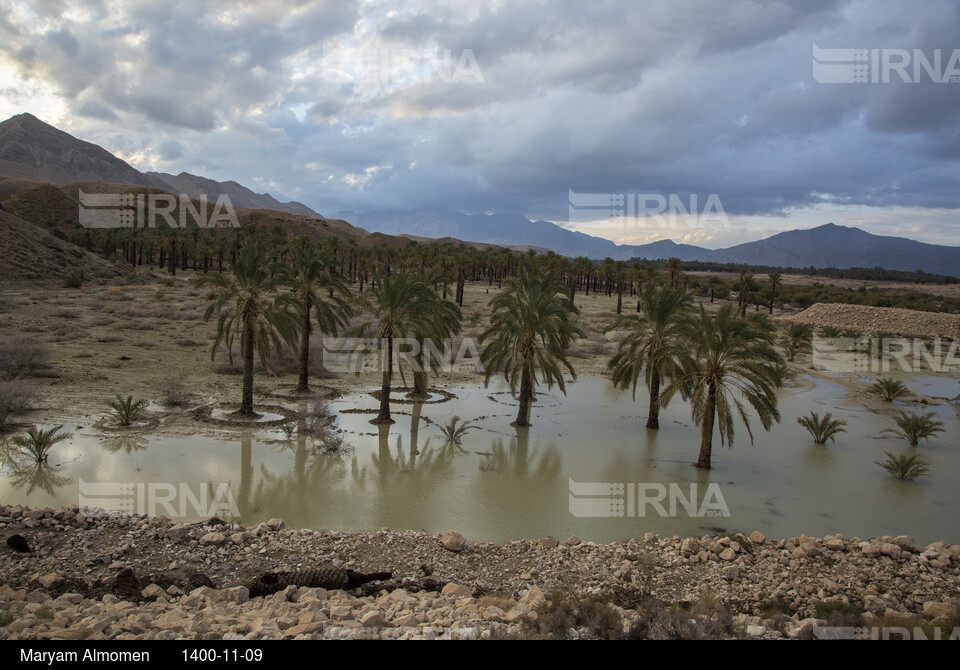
column 561, row 477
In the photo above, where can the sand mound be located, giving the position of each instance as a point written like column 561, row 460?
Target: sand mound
column 889, row 320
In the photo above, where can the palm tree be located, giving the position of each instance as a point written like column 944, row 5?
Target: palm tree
column 713, row 283
column 309, row 278
column 440, row 324
column 743, row 295
column 915, row 427
column 400, row 303
column 674, row 266
column 723, row 354
column 127, row 411
column 904, row 467
column 775, row 279
column 530, row 330
column 822, row 428
column 798, row 336
column 247, row 304
column 888, row 389
column 649, row 346
column 456, row 430
column 38, row 442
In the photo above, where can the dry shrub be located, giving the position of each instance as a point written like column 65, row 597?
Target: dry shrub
column 704, row 619
column 16, row 397
column 22, row 356
column 173, row 392
column 587, row 617
column 318, row 414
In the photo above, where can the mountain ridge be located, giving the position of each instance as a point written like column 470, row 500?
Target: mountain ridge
column 34, row 150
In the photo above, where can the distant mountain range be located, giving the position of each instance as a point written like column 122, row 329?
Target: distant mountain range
column 825, row 246
column 512, row 230
column 37, row 152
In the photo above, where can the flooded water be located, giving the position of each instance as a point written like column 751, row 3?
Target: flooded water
column 503, row 484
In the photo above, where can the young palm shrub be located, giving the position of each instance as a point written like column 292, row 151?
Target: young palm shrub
column 830, row 332
column 531, row 329
column 650, row 345
column 822, row 428
column 126, row 411
column 904, row 467
column 722, row 355
column 38, row 442
column 888, row 389
column 247, row 304
column 317, row 291
column 456, row 430
column 798, row 337
column 914, row 427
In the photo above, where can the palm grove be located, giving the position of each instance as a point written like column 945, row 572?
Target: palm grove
column 273, row 293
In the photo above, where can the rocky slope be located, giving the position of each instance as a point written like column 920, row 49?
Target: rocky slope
column 91, row 574
column 887, row 320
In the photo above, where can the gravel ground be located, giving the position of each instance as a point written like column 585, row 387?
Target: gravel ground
column 888, row 320
column 94, row 574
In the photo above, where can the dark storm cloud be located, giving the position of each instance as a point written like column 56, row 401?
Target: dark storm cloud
column 663, row 97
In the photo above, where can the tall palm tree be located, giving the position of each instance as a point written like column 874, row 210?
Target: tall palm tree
column 775, row 279
column 317, row 290
column 649, row 347
column 247, row 304
column 399, row 302
column 674, row 266
column 531, row 328
column 439, row 324
column 725, row 355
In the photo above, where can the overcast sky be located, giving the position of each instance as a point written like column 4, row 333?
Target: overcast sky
column 351, row 105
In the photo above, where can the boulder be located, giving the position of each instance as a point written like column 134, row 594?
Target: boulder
column 453, row 541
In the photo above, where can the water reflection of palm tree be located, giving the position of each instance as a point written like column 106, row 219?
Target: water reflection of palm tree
column 309, row 489
column 246, row 476
column 517, row 460
column 38, row 475
column 127, row 444
column 421, row 462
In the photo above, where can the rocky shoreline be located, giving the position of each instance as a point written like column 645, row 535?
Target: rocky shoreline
column 93, row 574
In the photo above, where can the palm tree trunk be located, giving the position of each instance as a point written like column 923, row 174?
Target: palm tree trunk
column 773, row 294
column 384, row 415
column 526, row 393
column 246, row 404
column 706, row 438
column 420, row 374
column 653, row 414
column 303, row 382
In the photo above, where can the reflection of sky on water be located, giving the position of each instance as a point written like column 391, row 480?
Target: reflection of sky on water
column 502, row 484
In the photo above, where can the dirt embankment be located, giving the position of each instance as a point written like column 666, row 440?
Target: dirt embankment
column 887, row 320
